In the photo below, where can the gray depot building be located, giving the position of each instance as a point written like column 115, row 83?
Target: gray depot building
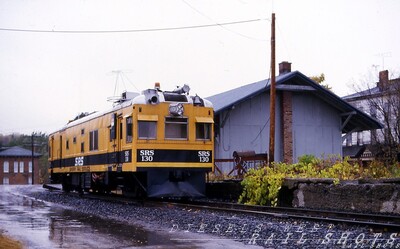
column 310, row 119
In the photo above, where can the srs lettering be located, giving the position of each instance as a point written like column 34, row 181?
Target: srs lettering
column 146, row 155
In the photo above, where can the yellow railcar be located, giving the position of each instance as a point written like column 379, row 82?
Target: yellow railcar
column 156, row 144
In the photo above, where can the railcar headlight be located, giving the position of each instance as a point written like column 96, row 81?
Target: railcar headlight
column 176, row 109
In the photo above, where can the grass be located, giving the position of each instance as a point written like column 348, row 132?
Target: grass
column 7, row 242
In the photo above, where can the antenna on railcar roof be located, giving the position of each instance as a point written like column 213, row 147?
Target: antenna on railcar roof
column 121, row 77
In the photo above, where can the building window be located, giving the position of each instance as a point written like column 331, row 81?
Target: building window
column 6, row 167
column 129, row 130
column 203, row 131
column 30, row 167
column 367, row 137
column 30, row 180
column 94, row 140
column 21, row 167
column 6, row 181
column 348, row 140
column 147, row 129
column 360, row 138
column 176, row 128
column 15, row 167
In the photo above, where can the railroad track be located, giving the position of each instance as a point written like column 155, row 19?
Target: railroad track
column 376, row 221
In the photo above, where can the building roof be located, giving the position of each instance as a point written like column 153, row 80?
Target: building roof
column 361, row 94
column 353, row 119
column 393, row 86
column 17, row 151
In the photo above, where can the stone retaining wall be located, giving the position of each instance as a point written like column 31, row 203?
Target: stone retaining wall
column 369, row 196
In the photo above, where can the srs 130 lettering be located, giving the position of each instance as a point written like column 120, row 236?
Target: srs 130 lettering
column 200, row 156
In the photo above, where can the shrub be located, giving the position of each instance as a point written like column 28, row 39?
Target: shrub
column 261, row 186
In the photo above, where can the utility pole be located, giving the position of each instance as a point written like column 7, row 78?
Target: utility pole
column 272, row 95
column 33, row 159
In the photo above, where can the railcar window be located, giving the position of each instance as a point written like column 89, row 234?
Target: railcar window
column 147, row 129
column 83, row 132
column 82, row 147
column 203, row 131
column 67, row 144
column 129, row 129
column 94, row 140
column 120, row 131
column 74, row 140
column 176, row 128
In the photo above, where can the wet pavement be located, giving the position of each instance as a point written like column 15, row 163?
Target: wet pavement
column 39, row 224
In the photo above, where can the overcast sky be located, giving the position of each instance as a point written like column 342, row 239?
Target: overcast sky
column 47, row 78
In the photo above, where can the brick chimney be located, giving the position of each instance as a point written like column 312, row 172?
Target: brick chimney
column 383, row 79
column 285, row 67
column 287, row 116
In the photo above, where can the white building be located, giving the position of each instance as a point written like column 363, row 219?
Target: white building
column 382, row 102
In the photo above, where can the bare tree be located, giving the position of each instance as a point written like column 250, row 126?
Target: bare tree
column 383, row 103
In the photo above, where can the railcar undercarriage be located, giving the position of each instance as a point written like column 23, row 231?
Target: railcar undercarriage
column 153, row 183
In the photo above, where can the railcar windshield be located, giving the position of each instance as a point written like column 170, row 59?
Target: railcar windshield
column 147, row 129
column 176, row 128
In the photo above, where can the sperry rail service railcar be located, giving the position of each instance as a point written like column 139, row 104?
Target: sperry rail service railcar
column 156, row 144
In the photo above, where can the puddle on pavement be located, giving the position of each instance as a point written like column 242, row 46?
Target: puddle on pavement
column 42, row 225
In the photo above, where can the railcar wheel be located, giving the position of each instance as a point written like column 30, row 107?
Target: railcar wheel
column 66, row 187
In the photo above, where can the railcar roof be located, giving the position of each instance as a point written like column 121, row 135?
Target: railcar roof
column 135, row 98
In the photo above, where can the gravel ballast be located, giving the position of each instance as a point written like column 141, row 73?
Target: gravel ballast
column 251, row 230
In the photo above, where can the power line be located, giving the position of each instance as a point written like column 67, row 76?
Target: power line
column 220, row 25
column 129, row 30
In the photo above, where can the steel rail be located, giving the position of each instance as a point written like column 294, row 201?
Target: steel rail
column 387, row 222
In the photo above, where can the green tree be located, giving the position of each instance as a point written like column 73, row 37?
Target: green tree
column 320, row 79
